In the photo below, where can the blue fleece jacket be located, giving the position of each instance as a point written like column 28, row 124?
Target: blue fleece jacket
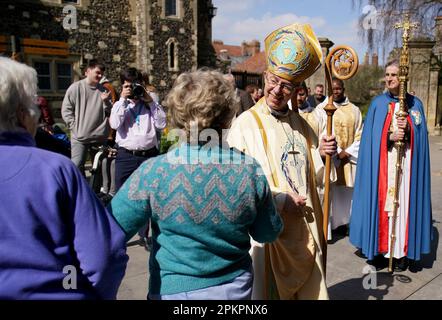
column 56, row 240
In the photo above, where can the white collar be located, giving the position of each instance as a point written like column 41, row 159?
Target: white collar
column 337, row 105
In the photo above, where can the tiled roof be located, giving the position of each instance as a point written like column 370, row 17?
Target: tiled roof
column 232, row 51
column 255, row 64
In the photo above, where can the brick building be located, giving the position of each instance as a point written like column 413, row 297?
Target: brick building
column 246, row 62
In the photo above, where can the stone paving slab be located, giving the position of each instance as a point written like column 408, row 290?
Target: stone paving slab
column 138, row 261
column 431, row 291
column 133, row 288
column 135, row 282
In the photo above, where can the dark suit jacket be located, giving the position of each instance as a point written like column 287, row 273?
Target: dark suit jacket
column 246, row 101
column 313, row 102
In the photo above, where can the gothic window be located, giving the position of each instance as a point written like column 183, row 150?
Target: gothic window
column 71, row 2
column 171, row 8
column 172, row 54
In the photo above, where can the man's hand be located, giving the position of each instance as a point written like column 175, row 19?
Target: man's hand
column 398, row 135
column 402, row 130
column 105, row 95
column 290, row 202
column 402, row 123
column 126, row 92
column 328, row 146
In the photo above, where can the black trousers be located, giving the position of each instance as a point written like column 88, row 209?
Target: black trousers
column 126, row 163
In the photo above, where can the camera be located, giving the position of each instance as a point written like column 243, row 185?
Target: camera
column 137, row 91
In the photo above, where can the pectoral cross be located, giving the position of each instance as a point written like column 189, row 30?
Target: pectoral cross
column 298, row 165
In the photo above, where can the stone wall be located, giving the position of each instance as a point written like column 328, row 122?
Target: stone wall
column 206, row 52
column 32, row 20
column 438, row 37
column 120, row 33
column 104, row 30
column 319, row 75
column 433, row 119
column 438, row 54
column 183, row 30
column 421, row 79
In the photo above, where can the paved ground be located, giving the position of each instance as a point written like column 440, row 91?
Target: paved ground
column 345, row 274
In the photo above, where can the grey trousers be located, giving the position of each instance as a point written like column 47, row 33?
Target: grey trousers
column 108, row 175
column 79, row 151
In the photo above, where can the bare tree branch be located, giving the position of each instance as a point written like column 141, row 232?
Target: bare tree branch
column 391, row 11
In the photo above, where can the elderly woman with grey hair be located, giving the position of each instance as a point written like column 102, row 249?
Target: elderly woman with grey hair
column 56, row 240
column 203, row 199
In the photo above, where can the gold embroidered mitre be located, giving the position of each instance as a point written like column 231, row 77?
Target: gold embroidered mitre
column 293, row 52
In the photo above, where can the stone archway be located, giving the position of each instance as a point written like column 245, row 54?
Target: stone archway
column 426, row 76
column 439, row 107
column 437, row 64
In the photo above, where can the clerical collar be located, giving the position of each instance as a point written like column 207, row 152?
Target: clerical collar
column 342, row 100
column 279, row 114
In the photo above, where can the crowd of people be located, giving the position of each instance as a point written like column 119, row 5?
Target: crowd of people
column 234, row 207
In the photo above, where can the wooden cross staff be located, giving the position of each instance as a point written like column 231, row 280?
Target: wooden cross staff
column 342, row 62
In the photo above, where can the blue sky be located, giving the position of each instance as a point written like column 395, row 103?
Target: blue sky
column 239, row 20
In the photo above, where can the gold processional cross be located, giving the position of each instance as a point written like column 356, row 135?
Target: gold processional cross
column 407, row 26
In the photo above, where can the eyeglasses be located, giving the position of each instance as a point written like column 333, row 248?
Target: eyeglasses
column 285, row 87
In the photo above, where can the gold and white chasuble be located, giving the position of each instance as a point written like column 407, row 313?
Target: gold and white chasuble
column 317, row 120
column 292, row 266
column 347, row 127
column 315, row 117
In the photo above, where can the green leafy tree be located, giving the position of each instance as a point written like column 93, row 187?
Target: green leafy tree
column 367, row 83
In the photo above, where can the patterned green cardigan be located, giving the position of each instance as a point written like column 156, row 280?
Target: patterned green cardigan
column 204, row 203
